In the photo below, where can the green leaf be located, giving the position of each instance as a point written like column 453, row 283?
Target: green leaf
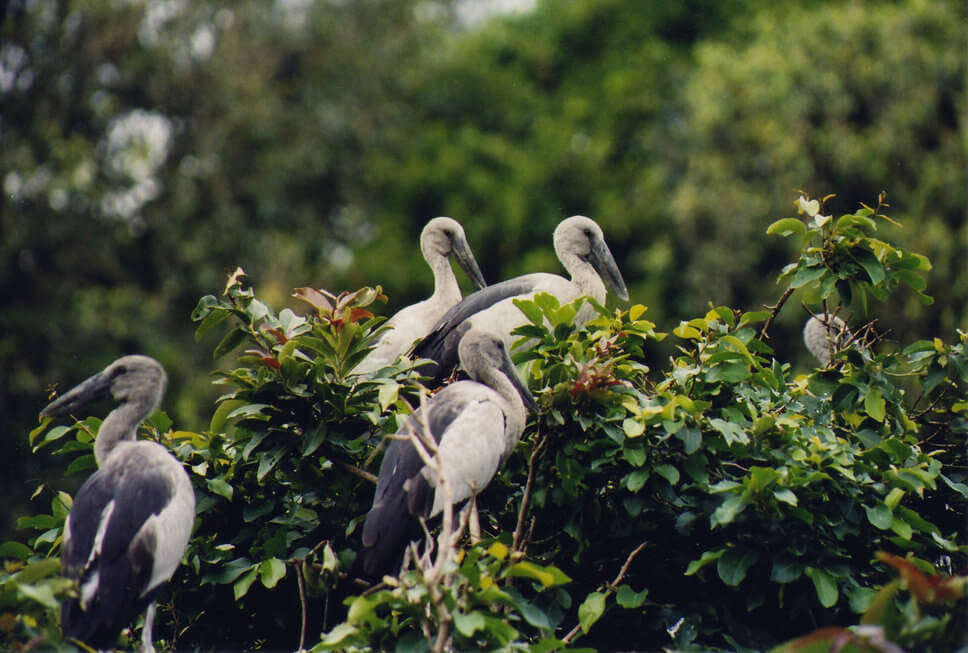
column 668, row 472
column 241, row 587
column 40, row 429
column 635, row 480
column 874, row 405
column 629, row 598
column 727, row 511
column 231, row 340
column 15, row 550
column 43, row 594
column 733, row 566
column 691, row 439
column 271, row 571
column 704, row 559
column 220, row 487
column 805, row 275
column 543, row 575
column 81, row 464
column 468, row 624
column 633, row 427
column 787, row 227
column 590, row 610
column 873, row 267
column 220, row 416
column 634, row 455
column 530, row 310
column 824, row 585
column 880, row 516
column 785, row 495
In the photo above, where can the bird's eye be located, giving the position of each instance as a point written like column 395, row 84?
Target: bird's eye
column 588, row 232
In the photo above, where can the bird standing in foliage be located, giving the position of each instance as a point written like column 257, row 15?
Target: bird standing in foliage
column 580, row 246
column 475, row 424
column 440, row 239
column 131, row 520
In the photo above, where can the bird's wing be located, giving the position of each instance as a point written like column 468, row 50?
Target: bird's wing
column 108, row 551
column 390, row 522
column 441, row 343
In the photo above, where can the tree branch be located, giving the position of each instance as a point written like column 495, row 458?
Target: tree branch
column 516, row 543
column 773, row 313
column 301, row 583
column 610, row 587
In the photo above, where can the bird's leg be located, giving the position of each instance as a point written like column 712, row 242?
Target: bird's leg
column 146, row 644
column 474, row 525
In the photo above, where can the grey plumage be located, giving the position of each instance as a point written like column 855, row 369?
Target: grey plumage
column 131, row 520
column 441, row 239
column 580, row 246
column 476, row 424
column 824, row 335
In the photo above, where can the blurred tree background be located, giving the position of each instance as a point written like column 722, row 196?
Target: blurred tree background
column 146, row 146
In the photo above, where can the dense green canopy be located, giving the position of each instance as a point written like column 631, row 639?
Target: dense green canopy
column 148, row 146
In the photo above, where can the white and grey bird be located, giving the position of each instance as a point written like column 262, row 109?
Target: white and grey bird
column 824, row 335
column 476, row 425
column 580, row 246
column 131, row 520
column 441, row 239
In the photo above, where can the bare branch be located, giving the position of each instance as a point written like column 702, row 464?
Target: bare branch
column 611, row 587
column 516, row 542
column 301, row 583
column 774, row 310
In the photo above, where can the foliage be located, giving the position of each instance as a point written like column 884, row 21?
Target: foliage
column 720, row 500
column 911, row 624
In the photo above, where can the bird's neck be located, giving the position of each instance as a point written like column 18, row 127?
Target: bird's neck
column 120, row 424
column 445, row 282
column 515, row 413
column 584, row 276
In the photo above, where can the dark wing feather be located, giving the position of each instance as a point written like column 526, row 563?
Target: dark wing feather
column 123, row 568
column 441, row 343
column 397, row 505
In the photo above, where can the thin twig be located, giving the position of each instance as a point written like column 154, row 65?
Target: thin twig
column 610, row 588
column 773, row 313
column 301, row 583
column 516, row 544
column 341, row 462
column 625, row 567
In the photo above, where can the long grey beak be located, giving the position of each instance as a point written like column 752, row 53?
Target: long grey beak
column 465, row 259
column 604, row 263
column 93, row 389
column 507, row 367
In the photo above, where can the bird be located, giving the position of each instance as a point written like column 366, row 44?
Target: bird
column 475, row 423
column 824, row 335
column 440, row 239
column 130, row 521
column 580, row 246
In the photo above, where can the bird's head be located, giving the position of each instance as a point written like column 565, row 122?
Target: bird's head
column 482, row 353
column 130, row 379
column 581, row 237
column 445, row 237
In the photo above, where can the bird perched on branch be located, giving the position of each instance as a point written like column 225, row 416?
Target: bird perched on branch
column 580, row 246
column 131, row 520
column 825, row 335
column 474, row 425
column 441, row 239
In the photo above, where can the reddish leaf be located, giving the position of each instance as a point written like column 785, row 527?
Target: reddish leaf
column 360, row 313
column 271, row 362
column 279, row 335
column 927, row 589
column 315, row 298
